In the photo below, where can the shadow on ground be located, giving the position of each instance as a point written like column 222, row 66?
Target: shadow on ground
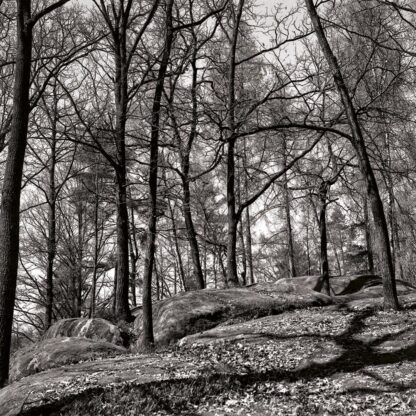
column 358, row 365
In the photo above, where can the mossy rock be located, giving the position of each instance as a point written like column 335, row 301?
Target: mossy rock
column 56, row 352
column 96, row 329
column 192, row 312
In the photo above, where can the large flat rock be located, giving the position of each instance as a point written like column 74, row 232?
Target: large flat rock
column 57, row 352
column 53, row 385
column 193, row 312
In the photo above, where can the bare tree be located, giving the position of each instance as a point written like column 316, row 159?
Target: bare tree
column 358, row 142
column 147, row 340
column 119, row 16
column 10, row 202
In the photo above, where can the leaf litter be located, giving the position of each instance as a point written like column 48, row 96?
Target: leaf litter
column 305, row 362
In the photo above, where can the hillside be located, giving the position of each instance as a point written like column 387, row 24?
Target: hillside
column 343, row 358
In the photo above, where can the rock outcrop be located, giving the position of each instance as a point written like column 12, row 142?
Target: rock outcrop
column 364, row 285
column 192, row 312
column 96, row 329
column 57, row 352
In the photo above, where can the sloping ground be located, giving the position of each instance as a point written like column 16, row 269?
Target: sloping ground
column 193, row 312
column 68, row 382
column 303, row 362
column 347, row 358
column 96, row 329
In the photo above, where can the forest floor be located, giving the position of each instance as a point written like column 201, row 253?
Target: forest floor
column 315, row 361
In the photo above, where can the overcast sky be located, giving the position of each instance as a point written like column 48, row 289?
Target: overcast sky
column 272, row 3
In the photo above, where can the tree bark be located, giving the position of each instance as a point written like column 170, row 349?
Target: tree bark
column 380, row 224
column 246, row 223
column 147, row 341
column 96, row 247
column 289, row 233
column 249, row 248
column 80, row 259
column 177, row 249
column 243, row 254
column 122, row 308
column 115, row 280
column 240, row 232
column 51, row 244
column 232, row 277
column 198, row 278
column 308, row 251
column 232, row 217
column 133, row 259
column 51, row 228
column 10, row 201
column 324, row 279
column 197, row 281
column 394, row 229
column 369, row 244
column 221, row 262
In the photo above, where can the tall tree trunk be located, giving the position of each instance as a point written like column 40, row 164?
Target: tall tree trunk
column 391, row 221
column 157, row 281
column 133, row 279
column 381, row 235
column 10, row 201
column 246, row 221
column 205, row 261
column 122, row 308
column 249, row 248
column 232, row 277
column 197, row 280
column 133, row 259
column 96, row 248
column 147, row 340
column 51, row 228
column 243, row 274
column 51, row 245
column 115, row 280
column 214, row 265
column 80, row 260
column 175, row 279
column 369, row 244
column 395, row 242
column 289, row 233
column 308, row 251
column 177, row 249
column 119, row 16
column 243, row 254
column 394, row 229
column 287, row 203
column 221, row 262
column 324, row 279
column 232, row 218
